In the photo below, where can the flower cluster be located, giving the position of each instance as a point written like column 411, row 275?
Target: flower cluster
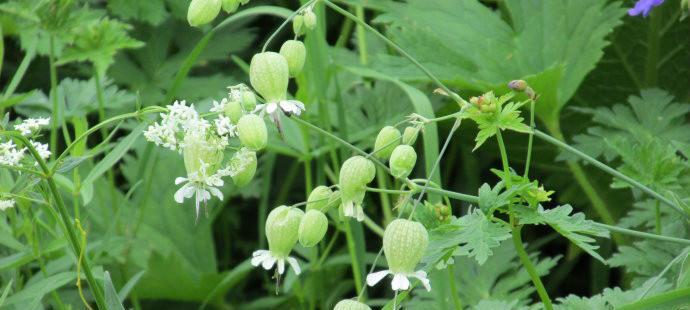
column 6, row 204
column 12, row 155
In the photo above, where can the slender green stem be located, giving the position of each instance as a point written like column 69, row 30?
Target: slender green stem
column 356, row 270
column 287, row 20
column 53, row 97
column 504, row 158
column 640, row 234
column 668, row 300
column 361, row 37
column 67, row 224
column 457, row 302
column 610, row 171
column 658, row 277
column 528, row 161
column 19, row 74
column 531, row 270
column 101, row 102
column 657, row 214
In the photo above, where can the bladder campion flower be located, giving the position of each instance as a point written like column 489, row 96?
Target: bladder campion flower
column 313, row 228
column 295, row 53
column 252, row 132
column 269, row 74
column 402, row 161
column 319, row 198
column 404, row 244
column 282, row 229
column 355, row 174
column 350, row 304
column 388, row 138
column 410, row 134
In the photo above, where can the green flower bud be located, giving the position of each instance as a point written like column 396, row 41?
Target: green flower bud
column 269, row 74
column 197, row 150
column 230, row 6
column 202, row 11
column 350, row 304
column 309, row 19
column 319, row 198
column 402, row 161
column 404, row 243
column 243, row 166
column 387, row 139
column 282, row 230
column 298, row 25
column 248, row 100
column 295, row 53
column 233, row 110
column 410, row 134
column 252, row 132
column 313, row 228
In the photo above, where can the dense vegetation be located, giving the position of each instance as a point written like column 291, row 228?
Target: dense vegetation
column 437, row 154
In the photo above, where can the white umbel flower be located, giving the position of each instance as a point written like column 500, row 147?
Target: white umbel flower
column 31, row 125
column 174, row 125
column 10, row 155
column 6, row 204
column 41, row 148
column 200, row 185
column 224, row 126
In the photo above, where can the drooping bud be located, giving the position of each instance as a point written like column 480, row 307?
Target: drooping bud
column 402, row 161
column 202, row 12
column 309, row 19
column 197, row 151
column 282, row 230
column 313, row 228
column 230, row 6
column 517, row 85
column 319, row 198
column 233, row 110
column 243, row 166
column 350, row 304
column 404, row 244
column 248, row 100
column 410, row 134
column 388, row 138
column 252, row 132
column 295, row 53
column 269, row 74
column 298, row 25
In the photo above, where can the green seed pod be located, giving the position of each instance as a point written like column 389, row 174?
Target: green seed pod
column 350, row 304
column 243, row 166
column 196, row 150
column 313, row 228
column 282, row 230
column 230, row 6
column 202, row 11
column 295, row 53
column 356, row 172
column 387, row 139
column 269, row 74
column 248, row 100
column 309, row 19
column 410, row 134
column 252, row 132
column 319, row 198
column 404, row 243
column 233, row 110
column 298, row 25
column 402, row 161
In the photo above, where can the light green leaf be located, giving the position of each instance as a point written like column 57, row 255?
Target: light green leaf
column 477, row 235
column 111, row 299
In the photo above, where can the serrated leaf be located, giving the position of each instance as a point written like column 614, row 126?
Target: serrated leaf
column 572, row 226
column 477, row 235
column 150, row 11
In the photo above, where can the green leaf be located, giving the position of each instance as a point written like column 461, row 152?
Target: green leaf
column 6, row 291
column 35, row 290
column 469, row 45
column 112, row 300
column 572, row 226
column 497, row 305
column 505, row 117
column 150, row 11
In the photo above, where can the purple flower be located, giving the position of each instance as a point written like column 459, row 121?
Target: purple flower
column 644, row 7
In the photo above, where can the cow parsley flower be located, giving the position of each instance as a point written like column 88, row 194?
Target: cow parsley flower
column 31, row 125
column 41, row 148
column 224, row 126
column 170, row 131
column 644, row 7
column 6, row 204
column 10, row 155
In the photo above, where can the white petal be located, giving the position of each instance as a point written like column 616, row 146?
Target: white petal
column 271, row 107
column 268, row 262
column 258, row 257
column 281, row 266
column 348, row 209
column 180, row 180
column 216, row 192
column 259, row 253
column 185, row 191
column 360, row 213
column 400, row 282
column 421, row 275
column 376, row 277
column 295, row 266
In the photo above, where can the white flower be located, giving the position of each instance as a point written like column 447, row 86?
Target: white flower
column 9, row 155
column 353, row 210
column 219, row 107
column 200, row 185
column 174, row 125
column 224, row 126
column 400, row 280
column 266, row 259
column 6, row 204
column 30, row 125
column 41, row 148
column 289, row 107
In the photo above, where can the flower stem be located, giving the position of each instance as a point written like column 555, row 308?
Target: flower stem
column 528, row 161
column 457, row 302
column 356, row 270
column 531, row 270
column 53, row 97
column 504, row 158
